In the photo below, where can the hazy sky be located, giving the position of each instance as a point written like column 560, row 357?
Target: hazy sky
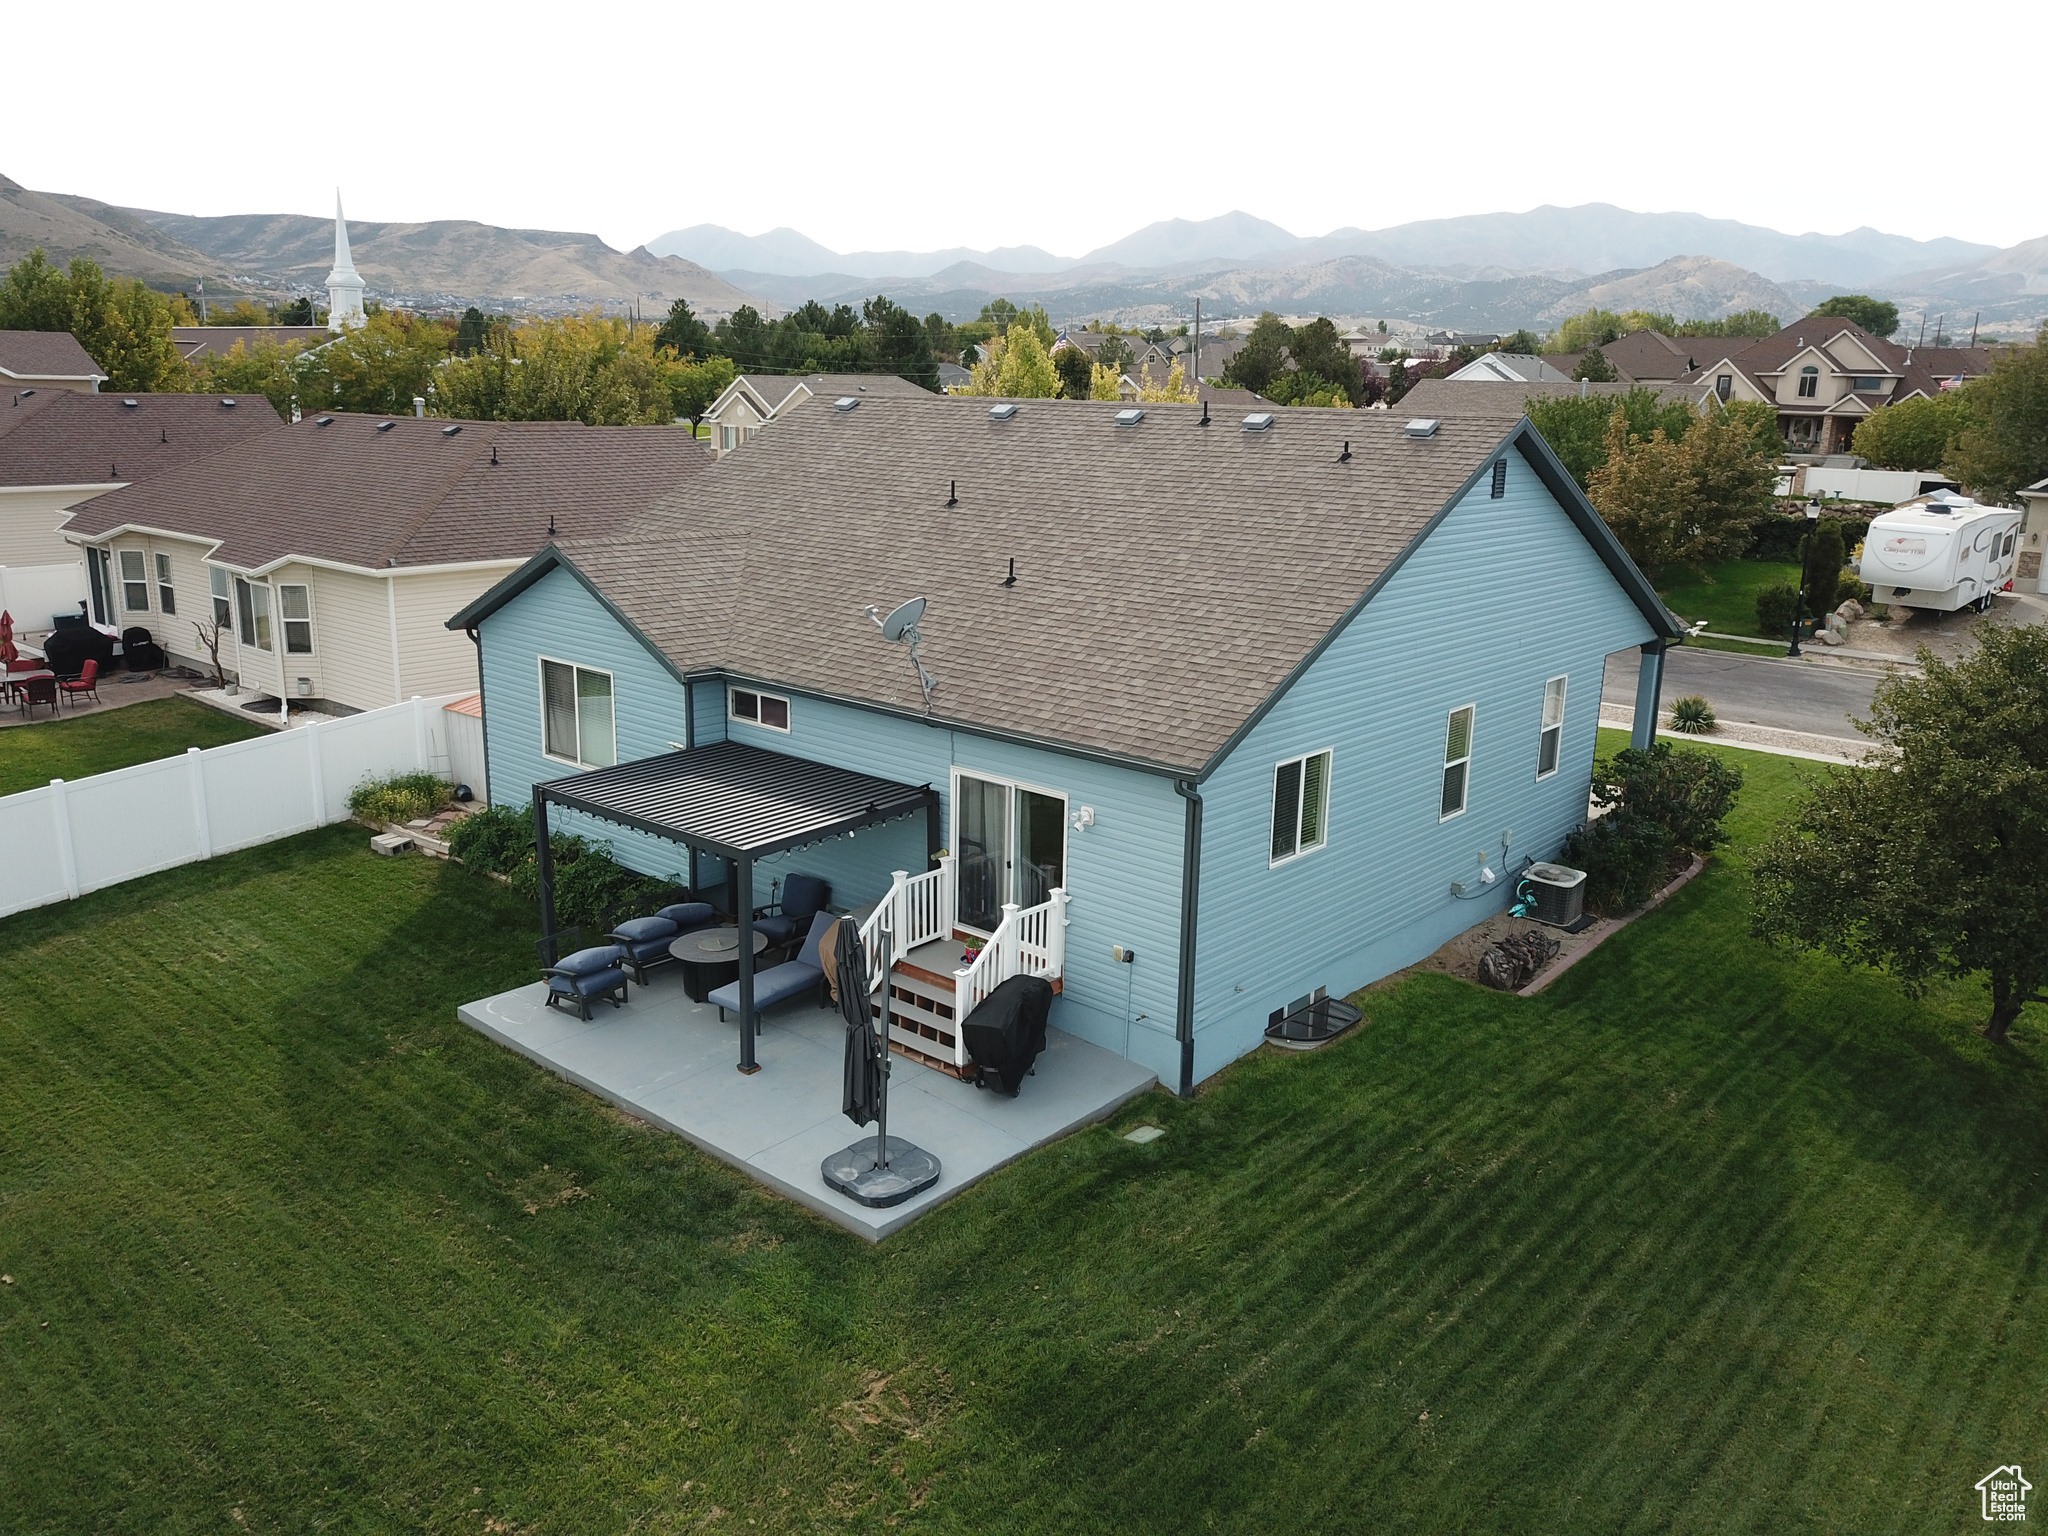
column 871, row 125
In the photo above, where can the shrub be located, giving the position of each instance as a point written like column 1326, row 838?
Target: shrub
column 495, row 841
column 588, row 881
column 1624, row 856
column 400, row 797
column 1825, row 567
column 1775, row 605
column 1693, row 715
column 1850, row 587
column 1682, row 790
column 1778, row 537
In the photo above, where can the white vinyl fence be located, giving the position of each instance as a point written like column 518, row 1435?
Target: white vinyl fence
column 65, row 839
column 35, row 594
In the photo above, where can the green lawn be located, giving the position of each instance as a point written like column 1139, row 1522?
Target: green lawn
column 1726, row 596
column 75, row 746
column 1704, row 1239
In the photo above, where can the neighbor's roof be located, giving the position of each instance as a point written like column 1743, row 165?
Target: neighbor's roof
column 1498, row 397
column 63, row 437
column 776, row 388
column 195, row 341
column 46, row 355
column 1161, row 595
column 415, row 494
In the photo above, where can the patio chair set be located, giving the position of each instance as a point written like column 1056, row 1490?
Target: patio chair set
column 684, row 930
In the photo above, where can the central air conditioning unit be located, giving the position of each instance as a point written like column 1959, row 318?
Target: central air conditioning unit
column 1560, row 894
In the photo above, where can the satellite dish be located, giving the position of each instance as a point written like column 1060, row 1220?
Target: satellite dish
column 903, row 620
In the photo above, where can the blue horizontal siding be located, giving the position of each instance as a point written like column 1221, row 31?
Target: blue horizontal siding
column 1503, row 595
column 1123, row 872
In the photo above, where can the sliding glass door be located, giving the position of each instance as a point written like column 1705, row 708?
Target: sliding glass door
column 1010, row 844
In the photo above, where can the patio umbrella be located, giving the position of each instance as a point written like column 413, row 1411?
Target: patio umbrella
column 863, row 1050
column 881, row 1169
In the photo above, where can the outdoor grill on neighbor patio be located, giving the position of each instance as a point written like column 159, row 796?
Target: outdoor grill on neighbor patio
column 734, row 802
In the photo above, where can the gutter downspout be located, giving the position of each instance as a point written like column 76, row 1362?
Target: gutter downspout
column 391, row 617
column 1190, row 899
column 476, row 639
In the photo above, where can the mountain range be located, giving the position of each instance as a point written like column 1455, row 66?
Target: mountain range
column 1594, row 237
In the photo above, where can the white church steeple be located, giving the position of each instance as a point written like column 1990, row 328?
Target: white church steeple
column 344, row 286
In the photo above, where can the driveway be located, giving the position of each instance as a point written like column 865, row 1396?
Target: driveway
column 1817, row 697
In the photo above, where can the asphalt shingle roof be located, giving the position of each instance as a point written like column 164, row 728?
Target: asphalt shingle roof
column 414, row 494
column 46, row 355
column 1170, row 577
column 62, row 437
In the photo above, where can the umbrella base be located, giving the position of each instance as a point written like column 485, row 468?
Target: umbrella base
column 852, row 1172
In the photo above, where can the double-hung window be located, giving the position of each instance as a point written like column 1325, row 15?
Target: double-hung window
column 1551, row 741
column 134, row 582
column 166, row 596
column 756, row 708
column 217, row 585
column 1301, row 806
column 576, row 720
column 295, row 607
column 1457, row 763
column 1809, row 383
column 252, row 599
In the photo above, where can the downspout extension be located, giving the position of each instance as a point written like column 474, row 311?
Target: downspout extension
column 1190, row 902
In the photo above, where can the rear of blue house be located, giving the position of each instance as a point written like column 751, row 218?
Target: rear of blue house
column 1443, row 716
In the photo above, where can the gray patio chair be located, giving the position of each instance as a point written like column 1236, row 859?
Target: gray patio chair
column 585, row 976
column 786, row 980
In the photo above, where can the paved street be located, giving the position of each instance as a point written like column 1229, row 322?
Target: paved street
column 1756, row 690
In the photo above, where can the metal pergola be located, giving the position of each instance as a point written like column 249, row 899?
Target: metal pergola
column 735, row 802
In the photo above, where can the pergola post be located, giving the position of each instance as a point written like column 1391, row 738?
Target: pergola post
column 544, row 862
column 743, row 876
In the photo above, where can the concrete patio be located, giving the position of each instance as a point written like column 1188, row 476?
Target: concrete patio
column 671, row 1062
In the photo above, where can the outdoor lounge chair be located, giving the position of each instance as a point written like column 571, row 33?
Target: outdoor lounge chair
column 644, row 941
column 803, row 897
column 786, row 980
column 586, row 975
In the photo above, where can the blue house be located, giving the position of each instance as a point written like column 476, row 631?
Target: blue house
column 1202, row 714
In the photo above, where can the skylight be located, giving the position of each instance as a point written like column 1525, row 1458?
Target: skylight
column 229, row 404
column 450, row 431
column 323, row 421
column 131, row 404
column 386, row 426
column 1129, row 418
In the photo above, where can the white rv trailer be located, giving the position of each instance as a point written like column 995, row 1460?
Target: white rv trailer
column 1945, row 552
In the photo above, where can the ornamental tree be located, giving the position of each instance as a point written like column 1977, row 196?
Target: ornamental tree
column 1931, row 860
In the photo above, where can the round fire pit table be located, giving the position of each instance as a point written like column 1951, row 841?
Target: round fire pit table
column 710, row 958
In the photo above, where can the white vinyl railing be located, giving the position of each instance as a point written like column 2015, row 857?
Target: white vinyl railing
column 918, row 910
column 64, row 839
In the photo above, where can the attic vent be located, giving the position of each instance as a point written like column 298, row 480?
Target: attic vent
column 1500, row 478
column 323, row 421
column 131, row 404
column 25, row 394
column 386, row 426
column 229, row 404
column 1422, row 426
column 451, row 430
column 1259, row 421
column 845, row 402
column 1002, row 412
column 1129, row 418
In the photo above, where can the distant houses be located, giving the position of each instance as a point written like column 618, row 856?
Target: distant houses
column 752, row 400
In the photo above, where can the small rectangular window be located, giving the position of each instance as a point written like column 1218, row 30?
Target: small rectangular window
column 1500, row 478
column 757, row 708
column 577, row 720
column 252, row 600
column 166, row 597
column 134, row 582
column 1723, row 385
column 295, row 604
column 217, row 585
column 1301, row 806
column 1550, row 743
column 1457, row 762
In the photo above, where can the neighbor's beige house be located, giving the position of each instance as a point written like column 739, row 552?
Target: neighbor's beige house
column 752, row 400
column 47, row 360
column 331, row 553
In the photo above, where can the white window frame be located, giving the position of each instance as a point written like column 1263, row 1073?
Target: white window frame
column 541, row 664
column 760, row 696
column 1809, row 375
column 259, row 631
column 1465, row 762
column 221, row 589
column 1552, row 731
column 284, row 623
column 166, row 588
column 1301, row 849
column 130, row 583
column 1016, row 788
